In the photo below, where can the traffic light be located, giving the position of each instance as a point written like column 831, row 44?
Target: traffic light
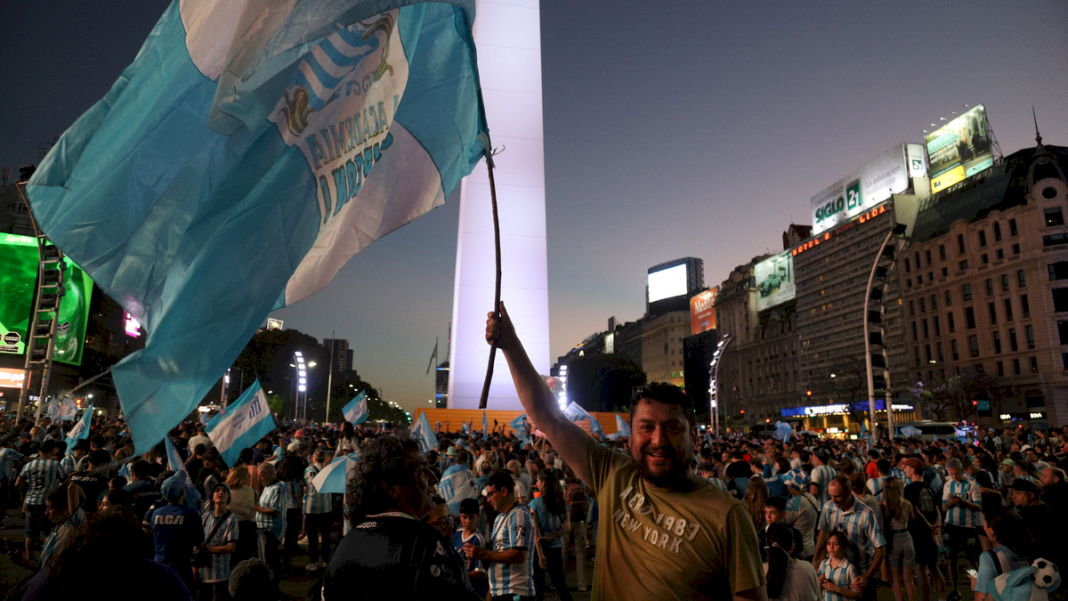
column 767, row 420
column 808, row 393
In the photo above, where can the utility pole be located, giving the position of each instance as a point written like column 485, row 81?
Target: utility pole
column 330, row 377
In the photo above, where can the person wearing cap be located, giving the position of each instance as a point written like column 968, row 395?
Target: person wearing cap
column 1043, row 523
column 176, row 530
column 221, row 525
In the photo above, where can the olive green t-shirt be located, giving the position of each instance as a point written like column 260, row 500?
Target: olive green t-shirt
column 656, row 543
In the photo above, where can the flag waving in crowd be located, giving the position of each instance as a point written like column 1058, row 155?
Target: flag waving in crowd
column 247, row 153
column 423, row 433
column 574, row 412
column 80, row 429
column 355, row 411
column 241, row 424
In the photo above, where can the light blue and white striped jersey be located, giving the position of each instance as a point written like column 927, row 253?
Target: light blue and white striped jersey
column 876, row 486
column 513, row 530
column 218, row 570
column 42, row 475
column 1029, row 478
column 547, row 522
column 59, row 537
column 315, row 501
column 959, row 515
column 718, row 482
column 843, row 576
column 67, row 463
column 294, row 490
column 273, row 497
column 821, row 476
column 796, row 478
column 9, row 459
column 896, row 472
column 802, row 513
column 860, row 526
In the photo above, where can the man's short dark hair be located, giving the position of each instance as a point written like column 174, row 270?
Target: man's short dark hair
column 140, row 469
column 776, row 502
column 668, row 394
column 200, row 449
column 469, row 507
column 883, row 466
column 99, row 457
column 501, row 479
column 48, row 446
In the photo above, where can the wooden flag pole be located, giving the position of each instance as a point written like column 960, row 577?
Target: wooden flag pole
column 497, row 288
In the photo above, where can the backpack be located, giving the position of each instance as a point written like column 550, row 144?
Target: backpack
column 578, row 503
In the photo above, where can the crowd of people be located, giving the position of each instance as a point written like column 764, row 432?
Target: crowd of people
column 669, row 512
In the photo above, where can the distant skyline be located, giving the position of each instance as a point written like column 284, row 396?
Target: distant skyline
column 697, row 129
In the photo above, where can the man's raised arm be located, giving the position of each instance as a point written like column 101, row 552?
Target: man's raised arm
column 542, row 408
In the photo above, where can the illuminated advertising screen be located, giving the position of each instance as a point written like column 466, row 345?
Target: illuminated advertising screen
column 959, row 149
column 667, row 283
column 775, row 280
column 702, row 311
column 18, row 277
column 862, row 189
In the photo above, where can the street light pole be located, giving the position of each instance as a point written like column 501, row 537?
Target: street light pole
column 330, row 377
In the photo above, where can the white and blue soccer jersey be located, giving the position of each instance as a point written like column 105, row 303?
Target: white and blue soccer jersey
column 876, row 486
column 513, row 530
column 9, row 459
column 315, row 502
column 718, row 483
column 796, row 479
column 59, row 537
column 896, row 472
column 476, row 539
column 860, row 526
column 1029, row 478
column 547, row 522
column 42, row 475
column 273, row 497
column 218, row 569
column 67, row 463
column 842, row 576
column 821, row 477
column 959, row 515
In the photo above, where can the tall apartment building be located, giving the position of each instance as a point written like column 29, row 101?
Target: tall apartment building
column 662, row 348
column 984, row 286
column 341, row 352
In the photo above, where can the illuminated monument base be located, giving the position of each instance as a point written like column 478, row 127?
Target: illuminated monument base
column 508, row 40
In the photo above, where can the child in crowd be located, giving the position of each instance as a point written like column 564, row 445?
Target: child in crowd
column 468, row 533
column 836, row 573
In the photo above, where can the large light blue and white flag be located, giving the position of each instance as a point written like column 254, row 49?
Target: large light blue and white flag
column 355, row 411
column 457, row 484
column 783, row 431
column 80, row 429
column 574, row 412
column 251, row 149
column 423, row 433
column 53, row 410
column 68, row 410
column 242, row 424
column 622, row 427
column 519, row 426
column 485, row 424
column 174, row 460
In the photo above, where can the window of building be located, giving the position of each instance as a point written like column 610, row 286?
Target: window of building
column 915, row 336
column 969, row 318
column 1001, row 254
column 940, row 359
column 1016, row 367
column 1054, row 239
column 1008, row 309
column 949, row 298
column 1034, row 365
column 930, row 276
column 973, row 346
column 960, row 243
column 926, row 334
column 1025, row 307
column 967, row 289
column 982, row 237
column 942, row 252
column 997, row 343
column 1012, row 340
column 927, row 352
column 953, row 350
column 908, row 283
column 1015, row 249
column 923, row 305
column 908, row 265
column 1062, row 330
column 1004, row 282
column 934, row 302
column 997, row 231
column 1012, row 227
column 945, row 272
column 1064, row 361
column 1058, row 270
column 993, row 313
column 937, row 329
column 949, row 322
column 1030, row 333
column 1001, row 369
column 1054, row 216
column 1021, row 279
column 1060, row 299
column 964, row 265
column 912, row 307
column 989, row 287
column 916, row 352
column 927, row 253
column 984, row 259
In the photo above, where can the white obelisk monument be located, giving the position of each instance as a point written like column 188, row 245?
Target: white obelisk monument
column 508, row 41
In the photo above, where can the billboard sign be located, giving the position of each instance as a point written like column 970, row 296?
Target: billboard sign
column 18, row 278
column 959, row 149
column 775, row 281
column 11, row 378
column 667, row 283
column 702, row 311
column 861, row 189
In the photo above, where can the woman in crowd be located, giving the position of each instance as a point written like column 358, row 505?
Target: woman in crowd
column 897, row 512
column 755, row 496
column 243, row 506
column 551, row 512
column 1009, row 539
column 789, row 579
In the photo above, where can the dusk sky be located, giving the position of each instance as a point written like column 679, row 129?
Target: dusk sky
column 672, row 129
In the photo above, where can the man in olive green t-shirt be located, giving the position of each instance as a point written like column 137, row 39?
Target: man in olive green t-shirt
column 665, row 532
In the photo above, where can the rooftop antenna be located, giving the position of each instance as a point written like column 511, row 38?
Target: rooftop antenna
column 1038, row 136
